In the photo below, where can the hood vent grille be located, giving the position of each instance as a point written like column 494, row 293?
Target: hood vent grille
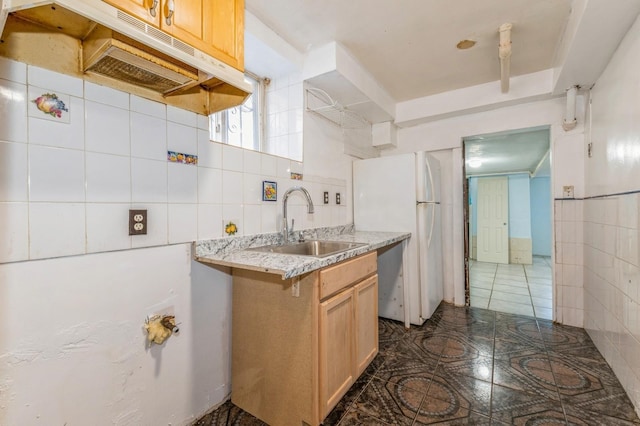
column 127, row 71
column 156, row 33
column 111, row 54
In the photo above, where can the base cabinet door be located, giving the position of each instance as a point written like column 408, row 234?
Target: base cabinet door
column 337, row 349
column 366, row 322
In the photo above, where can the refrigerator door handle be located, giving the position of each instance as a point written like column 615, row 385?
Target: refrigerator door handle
column 433, row 220
column 427, row 202
column 431, row 183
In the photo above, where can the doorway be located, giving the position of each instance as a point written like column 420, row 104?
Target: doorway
column 509, row 221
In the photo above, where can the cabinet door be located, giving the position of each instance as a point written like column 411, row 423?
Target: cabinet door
column 186, row 23
column 141, row 9
column 366, row 326
column 336, row 345
column 224, row 31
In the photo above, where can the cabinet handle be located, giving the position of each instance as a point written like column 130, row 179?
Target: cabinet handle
column 171, row 6
column 153, row 8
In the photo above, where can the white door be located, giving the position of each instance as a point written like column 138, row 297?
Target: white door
column 493, row 219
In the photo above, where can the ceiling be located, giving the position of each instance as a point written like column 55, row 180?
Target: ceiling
column 516, row 151
column 409, row 47
column 408, row 50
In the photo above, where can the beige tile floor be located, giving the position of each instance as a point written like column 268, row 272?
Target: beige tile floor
column 515, row 289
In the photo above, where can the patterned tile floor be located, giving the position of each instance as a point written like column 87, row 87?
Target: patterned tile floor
column 516, row 289
column 475, row 366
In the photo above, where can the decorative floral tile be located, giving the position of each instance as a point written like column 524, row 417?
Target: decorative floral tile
column 269, row 191
column 179, row 157
column 49, row 105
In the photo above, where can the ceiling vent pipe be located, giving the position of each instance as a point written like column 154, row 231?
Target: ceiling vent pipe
column 504, row 52
column 570, row 121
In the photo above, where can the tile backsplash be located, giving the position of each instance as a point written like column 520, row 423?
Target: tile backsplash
column 66, row 188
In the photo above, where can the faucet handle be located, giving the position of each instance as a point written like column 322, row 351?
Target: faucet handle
column 293, row 221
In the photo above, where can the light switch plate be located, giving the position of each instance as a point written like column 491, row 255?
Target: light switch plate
column 337, row 198
column 326, row 197
column 567, row 191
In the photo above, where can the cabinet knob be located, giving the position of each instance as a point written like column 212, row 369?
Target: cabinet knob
column 153, row 9
column 171, row 6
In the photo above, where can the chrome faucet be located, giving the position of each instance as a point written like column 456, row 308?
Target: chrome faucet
column 285, row 222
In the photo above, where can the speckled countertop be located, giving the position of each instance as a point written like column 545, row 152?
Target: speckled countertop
column 231, row 251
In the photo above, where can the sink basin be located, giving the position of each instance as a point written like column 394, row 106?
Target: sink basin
column 316, row 248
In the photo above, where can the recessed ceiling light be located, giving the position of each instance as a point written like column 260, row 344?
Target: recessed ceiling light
column 465, row 44
column 475, row 163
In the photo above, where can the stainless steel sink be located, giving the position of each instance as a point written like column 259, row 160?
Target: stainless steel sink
column 315, row 248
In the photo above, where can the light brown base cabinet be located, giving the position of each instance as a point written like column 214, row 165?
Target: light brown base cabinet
column 299, row 344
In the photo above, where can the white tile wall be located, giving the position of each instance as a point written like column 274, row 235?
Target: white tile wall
column 182, row 116
column 13, row 109
column 232, row 158
column 612, row 284
column 108, row 178
column 232, row 185
column 183, row 223
column 157, row 225
column 106, row 129
column 102, row 220
column 13, row 71
column 209, row 221
column 148, row 181
column 209, row 154
column 147, row 107
column 66, row 188
column 148, row 137
column 181, row 138
column 106, row 95
column 54, row 81
column 569, row 253
column 51, row 133
column 209, row 185
column 284, row 117
column 56, row 174
column 13, row 171
column 56, row 229
column 183, row 183
column 14, row 220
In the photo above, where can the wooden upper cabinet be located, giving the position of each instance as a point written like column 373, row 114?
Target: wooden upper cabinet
column 141, row 9
column 224, row 30
column 185, row 22
column 215, row 27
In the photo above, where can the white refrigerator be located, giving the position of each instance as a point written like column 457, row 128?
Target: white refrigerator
column 402, row 193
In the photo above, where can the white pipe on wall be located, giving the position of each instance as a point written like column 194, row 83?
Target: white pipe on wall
column 504, row 52
column 570, row 120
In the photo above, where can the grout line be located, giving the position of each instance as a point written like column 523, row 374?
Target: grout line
column 493, row 283
column 526, row 278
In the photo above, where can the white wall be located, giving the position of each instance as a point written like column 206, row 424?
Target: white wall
column 611, row 222
column 446, row 135
column 519, row 205
column 284, row 97
column 73, row 349
column 75, row 288
column 541, row 216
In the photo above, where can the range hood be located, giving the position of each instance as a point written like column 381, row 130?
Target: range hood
column 122, row 47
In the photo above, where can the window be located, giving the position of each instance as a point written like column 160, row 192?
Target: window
column 242, row 125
